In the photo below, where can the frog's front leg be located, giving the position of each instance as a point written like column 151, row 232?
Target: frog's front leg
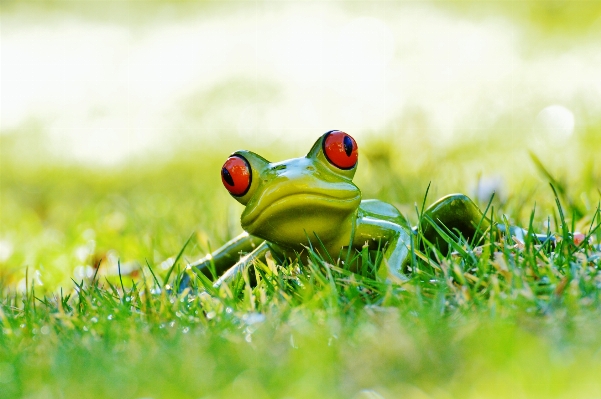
column 223, row 258
column 242, row 264
column 375, row 232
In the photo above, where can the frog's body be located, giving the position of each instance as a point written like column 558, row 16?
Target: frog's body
column 312, row 200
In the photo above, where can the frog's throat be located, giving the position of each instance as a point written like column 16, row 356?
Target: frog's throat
column 295, row 206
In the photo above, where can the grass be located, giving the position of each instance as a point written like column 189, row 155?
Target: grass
column 86, row 308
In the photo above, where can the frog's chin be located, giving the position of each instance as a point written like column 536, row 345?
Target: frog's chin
column 294, row 218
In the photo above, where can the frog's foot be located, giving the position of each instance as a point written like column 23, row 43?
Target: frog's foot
column 372, row 230
column 235, row 271
column 218, row 262
column 520, row 234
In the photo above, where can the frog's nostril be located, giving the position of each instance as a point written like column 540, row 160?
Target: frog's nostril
column 310, row 168
column 279, row 167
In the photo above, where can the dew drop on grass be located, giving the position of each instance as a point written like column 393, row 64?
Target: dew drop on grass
column 253, row 318
column 167, row 263
column 110, row 317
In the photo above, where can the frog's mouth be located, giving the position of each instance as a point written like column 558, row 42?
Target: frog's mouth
column 279, row 210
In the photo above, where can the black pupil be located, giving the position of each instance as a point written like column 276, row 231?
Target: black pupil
column 226, row 176
column 348, row 145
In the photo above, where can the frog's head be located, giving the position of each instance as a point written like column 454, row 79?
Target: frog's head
column 288, row 201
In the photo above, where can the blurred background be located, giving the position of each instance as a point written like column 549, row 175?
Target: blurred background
column 115, row 116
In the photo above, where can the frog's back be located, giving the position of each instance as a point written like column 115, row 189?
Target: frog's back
column 382, row 210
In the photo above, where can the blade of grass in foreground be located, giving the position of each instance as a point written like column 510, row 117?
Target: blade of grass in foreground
column 177, row 258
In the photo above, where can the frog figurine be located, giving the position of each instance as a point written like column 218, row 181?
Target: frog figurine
column 312, row 201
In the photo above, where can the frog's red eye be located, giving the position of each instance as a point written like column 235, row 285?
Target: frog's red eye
column 340, row 149
column 236, row 175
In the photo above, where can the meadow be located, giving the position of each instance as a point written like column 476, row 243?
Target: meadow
column 117, row 116
column 87, row 310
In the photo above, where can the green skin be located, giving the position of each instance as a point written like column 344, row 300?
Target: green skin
column 307, row 201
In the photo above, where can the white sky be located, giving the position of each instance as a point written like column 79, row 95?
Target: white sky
column 105, row 91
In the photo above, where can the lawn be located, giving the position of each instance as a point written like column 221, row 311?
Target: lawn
column 86, row 308
column 115, row 122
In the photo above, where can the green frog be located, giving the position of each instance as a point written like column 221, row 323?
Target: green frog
column 312, row 202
